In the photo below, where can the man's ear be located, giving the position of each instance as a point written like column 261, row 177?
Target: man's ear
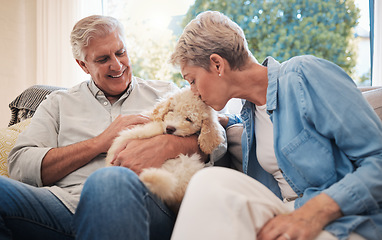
column 217, row 63
column 83, row 66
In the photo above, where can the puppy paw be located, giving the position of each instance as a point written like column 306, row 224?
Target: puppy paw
column 159, row 182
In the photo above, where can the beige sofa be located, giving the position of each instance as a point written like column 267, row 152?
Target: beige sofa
column 25, row 104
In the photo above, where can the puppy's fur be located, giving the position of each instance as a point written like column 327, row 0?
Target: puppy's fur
column 180, row 114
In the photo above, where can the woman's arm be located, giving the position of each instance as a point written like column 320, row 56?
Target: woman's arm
column 335, row 108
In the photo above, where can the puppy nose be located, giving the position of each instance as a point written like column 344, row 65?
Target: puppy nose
column 170, row 129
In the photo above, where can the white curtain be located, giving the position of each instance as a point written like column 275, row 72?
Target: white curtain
column 377, row 56
column 55, row 20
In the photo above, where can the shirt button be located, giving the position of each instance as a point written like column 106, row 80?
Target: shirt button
column 105, row 103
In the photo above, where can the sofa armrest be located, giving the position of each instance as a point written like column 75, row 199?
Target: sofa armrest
column 233, row 157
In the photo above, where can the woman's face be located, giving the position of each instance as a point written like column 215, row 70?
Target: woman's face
column 208, row 85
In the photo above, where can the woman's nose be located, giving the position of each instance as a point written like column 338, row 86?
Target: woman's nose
column 194, row 89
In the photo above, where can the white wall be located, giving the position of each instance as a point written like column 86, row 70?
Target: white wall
column 35, row 47
column 20, row 26
column 18, row 51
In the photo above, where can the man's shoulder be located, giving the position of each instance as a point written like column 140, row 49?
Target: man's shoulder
column 65, row 93
column 154, row 85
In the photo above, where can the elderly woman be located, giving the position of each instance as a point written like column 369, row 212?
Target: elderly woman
column 312, row 146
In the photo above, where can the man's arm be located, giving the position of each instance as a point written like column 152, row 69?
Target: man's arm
column 59, row 162
column 153, row 152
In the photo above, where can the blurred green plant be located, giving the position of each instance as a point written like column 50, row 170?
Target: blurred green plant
column 365, row 79
column 278, row 28
column 286, row 28
column 149, row 48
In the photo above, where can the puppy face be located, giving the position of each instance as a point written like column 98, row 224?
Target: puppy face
column 185, row 114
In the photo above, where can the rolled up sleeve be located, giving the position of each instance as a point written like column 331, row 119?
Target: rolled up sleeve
column 33, row 143
column 341, row 113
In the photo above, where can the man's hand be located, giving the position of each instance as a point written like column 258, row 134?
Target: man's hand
column 153, row 152
column 304, row 223
column 120, row 123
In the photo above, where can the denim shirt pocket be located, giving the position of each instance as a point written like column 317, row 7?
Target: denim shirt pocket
column 310, row 159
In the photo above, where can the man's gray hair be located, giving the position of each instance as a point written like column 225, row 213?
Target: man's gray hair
column 94, row 26
column 211, row 32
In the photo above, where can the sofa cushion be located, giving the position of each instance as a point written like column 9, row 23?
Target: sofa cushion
column 8, row 137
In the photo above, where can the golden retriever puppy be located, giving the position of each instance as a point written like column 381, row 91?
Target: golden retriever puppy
column 180, row 114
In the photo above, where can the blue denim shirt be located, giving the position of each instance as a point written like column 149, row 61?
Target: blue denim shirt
column 327, row 139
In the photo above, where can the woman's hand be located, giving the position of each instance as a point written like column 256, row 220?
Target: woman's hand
column 304, row 223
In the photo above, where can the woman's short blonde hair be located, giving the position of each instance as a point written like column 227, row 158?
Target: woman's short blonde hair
column 94, row 26
column 211, row 32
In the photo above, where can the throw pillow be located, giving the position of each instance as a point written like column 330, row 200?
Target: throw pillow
column 8, row 137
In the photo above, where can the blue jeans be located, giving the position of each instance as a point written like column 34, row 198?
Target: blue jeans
column 28, row 212
column 116, row 205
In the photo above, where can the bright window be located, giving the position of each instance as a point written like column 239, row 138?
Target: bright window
column 152, row 28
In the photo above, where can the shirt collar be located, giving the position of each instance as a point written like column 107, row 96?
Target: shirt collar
column 273, row 67
column 97, row 92
column 93, row 88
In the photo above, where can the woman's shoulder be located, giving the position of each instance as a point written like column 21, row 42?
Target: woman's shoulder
column 307, row 62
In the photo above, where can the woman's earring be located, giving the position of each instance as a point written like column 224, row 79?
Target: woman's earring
column 220, row 74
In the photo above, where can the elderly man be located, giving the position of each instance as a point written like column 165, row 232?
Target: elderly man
column 67, row 141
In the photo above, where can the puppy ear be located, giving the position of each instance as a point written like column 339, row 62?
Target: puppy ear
column 210, row 136
column 161, row 109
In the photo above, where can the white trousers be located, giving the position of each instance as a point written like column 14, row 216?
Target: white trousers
column 221, row 203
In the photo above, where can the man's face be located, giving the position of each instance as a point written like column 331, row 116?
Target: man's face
column 108, row 64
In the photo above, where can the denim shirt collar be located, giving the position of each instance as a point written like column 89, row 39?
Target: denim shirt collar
column 273, row 67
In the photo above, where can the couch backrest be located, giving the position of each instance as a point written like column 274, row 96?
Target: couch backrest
column 374, row 97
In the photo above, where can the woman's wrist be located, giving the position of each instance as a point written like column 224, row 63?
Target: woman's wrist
column 321, row 209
